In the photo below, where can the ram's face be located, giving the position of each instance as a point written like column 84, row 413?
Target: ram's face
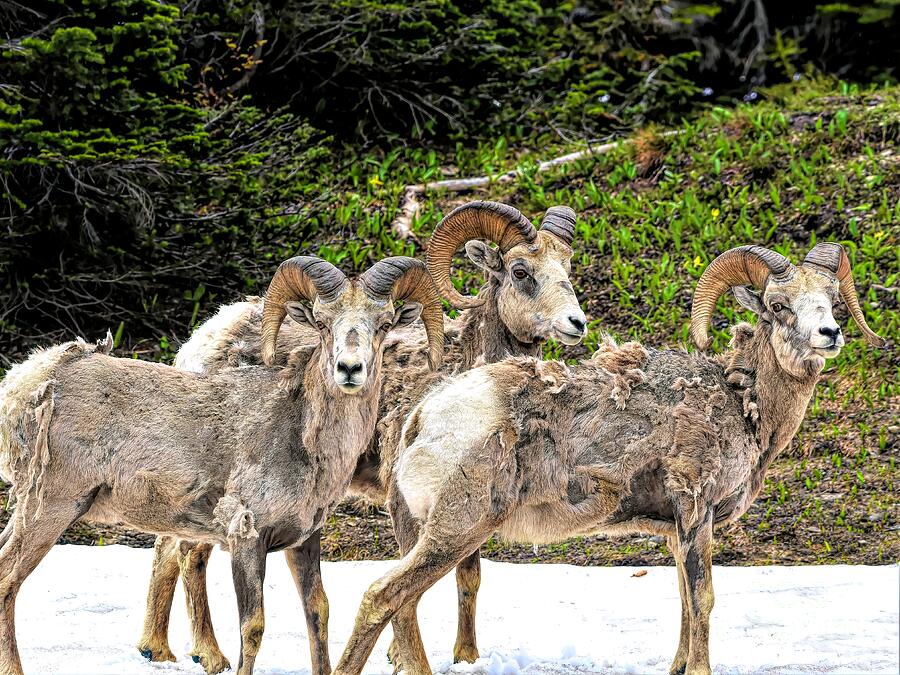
column 800, row 307
column 805, row 303
column 352, row 329
column 536, row 299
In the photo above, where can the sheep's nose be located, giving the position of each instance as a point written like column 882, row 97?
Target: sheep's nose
column 577, row 322
column 830, row 332
column 349, row 369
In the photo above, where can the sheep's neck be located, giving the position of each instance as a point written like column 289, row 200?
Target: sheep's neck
column 781, row 398
column 486, row 338
column 338, row 426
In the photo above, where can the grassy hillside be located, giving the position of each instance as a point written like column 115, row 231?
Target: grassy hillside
column 812, row 161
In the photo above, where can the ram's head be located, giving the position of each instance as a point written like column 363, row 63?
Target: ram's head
column 352, row 317
column 530, row 266
column 797, row 301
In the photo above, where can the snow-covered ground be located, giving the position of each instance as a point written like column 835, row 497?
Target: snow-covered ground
column 81, row 612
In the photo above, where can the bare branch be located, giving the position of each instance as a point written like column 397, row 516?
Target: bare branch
column 409, row 207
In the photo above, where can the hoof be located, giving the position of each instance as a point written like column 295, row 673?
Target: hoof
column 393, row 656
column 214, row 662
column 677, row 667
column 465, row 653
column 702, row 669
column 156, row 653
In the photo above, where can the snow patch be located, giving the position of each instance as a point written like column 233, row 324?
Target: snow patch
column 82, row 611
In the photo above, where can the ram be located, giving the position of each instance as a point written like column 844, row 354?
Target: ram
column 527, row 299
column 252, row 458
column 632, row 440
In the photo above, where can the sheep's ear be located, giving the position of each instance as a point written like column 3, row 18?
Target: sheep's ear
column 300, row 313
column 407, row 314
column 749, row 299
column 484, row 256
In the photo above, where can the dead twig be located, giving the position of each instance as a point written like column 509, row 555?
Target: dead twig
column 409, row 205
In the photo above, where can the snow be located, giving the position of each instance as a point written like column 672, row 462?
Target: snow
column 82, row 610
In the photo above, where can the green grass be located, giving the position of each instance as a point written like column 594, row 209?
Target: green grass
column 816, row 161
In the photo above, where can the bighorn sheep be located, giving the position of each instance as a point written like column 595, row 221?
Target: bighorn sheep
column 250, row 458
column 528, row 298
column 630, row 440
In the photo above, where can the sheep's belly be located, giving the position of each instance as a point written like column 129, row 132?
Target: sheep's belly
column 555, row 522
column 535, row 525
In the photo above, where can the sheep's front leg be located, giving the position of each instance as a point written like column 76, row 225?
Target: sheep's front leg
column 684, row 638
column 248, row 569
column 418, row 571
column 305, row 565
column 154, row 642
column 30, row 538
column 695, row 557
column 468, row 581
column 193, row 560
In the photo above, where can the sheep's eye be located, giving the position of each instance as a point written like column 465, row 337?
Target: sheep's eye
column 519, row 273
column 777, row 307
column 320, row 325
column 386, row 326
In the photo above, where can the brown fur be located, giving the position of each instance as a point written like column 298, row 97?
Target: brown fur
column 304, row 563
column 26, row 407
column 478, row 336
column 631, row 440
column 154, row 644
column 251, row 458
column 192, row 564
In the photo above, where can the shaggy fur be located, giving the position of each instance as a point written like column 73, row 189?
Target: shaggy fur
column 252, row 459
column 631, row 440
column 515, row 318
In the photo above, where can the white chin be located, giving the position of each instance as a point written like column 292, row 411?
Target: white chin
column 567, row 338
column 827, row 352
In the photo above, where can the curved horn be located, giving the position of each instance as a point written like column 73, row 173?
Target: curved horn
column 832, row 259
column 402, row 278
column 499, row 223
column 304, row 277
column 740, row 266
column 560, row 222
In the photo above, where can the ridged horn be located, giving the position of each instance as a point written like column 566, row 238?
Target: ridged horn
column 560, row 222
column 304, row 277
column 402, row 278
column 499, row 223
column 832, row 259
column 740, row 266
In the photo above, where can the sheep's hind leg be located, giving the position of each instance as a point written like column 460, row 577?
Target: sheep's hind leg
column 406, row 652
column 30, row 539
column 468, row 581
column 304, row 562
column 684, row 637
column 248, row 569
column 419, row 570
column 154, row 642
column 193, row 560
column 695, row 556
